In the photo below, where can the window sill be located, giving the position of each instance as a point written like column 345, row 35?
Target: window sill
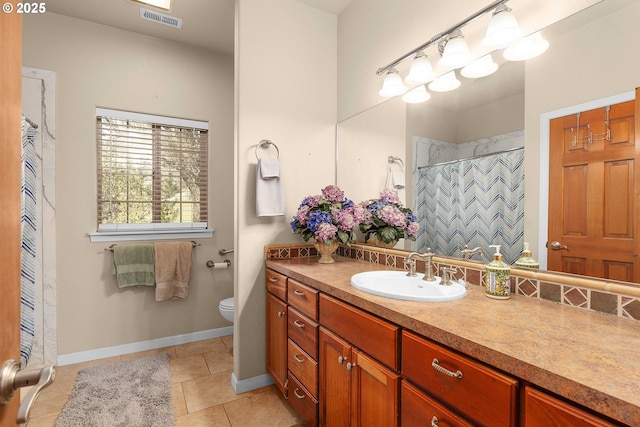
column 133, row 235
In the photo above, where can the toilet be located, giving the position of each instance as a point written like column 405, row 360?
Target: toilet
column 226, row 309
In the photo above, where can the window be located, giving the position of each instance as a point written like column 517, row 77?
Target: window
column 151, row 170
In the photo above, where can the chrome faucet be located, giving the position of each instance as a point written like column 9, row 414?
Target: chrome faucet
column 466, row 252
column 427, row 257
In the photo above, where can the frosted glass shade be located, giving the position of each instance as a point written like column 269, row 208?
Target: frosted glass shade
column 421, row 70
column 526, row 48
column 445, row 83
column 503, row 29
column 416, row 95
column 456, row 53
column 480, row 68
column 392, row 85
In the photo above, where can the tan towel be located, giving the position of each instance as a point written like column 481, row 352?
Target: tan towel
column 173, row 269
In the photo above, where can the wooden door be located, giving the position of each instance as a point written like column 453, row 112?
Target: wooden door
column 10, row 149
column 594, row 201
column 375, row 391
column 277, row 341
column 335, row 380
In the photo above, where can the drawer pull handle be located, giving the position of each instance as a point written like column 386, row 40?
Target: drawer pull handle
column 434, row 421
column 299, row 293
column 436, row 365
column 341, row 359
column 295, row 356
column 273, row 279
column 298, row 395
column 280, row 313
column 298, row 324
column 350, row 366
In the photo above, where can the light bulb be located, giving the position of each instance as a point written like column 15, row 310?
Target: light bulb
column 445, row 83
column 421, row 70
column 480, row 68
column 392, row 85
column 456, row 52
column 503, row 29
column 416, row 95
column 526, row 48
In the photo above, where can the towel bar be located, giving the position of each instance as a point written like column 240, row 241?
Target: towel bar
column 110, row 248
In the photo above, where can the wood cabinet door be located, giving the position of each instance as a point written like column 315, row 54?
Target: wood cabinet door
column 277, row 341
column 335, row 380
column 375, row 391
column 543, row 410
column 420, row 410
column 594, row 166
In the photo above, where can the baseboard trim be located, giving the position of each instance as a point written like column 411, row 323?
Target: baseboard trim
column 248, row 384
column 100, row 353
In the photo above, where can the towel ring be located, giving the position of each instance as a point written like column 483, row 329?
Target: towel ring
column 393, row 160
column 265, row 143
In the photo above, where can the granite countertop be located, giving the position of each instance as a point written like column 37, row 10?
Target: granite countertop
column 587, row 357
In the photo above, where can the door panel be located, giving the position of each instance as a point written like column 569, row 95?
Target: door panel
column 375, row 393
column 10, row 150
column 335, row 380
column 593, row 196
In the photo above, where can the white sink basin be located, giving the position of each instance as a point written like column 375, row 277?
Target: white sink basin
column 396, row 284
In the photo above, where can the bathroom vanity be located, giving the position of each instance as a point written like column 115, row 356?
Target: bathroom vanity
column 347, row 357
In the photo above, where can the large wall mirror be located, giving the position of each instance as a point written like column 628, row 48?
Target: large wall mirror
column 505, row 109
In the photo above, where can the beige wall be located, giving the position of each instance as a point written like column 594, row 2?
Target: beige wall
column 285, row 92
column 101, row 66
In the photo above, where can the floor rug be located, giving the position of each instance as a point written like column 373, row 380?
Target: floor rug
column 132, row 393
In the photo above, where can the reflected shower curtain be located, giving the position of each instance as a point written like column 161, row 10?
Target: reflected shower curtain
column 475, row 202
column 29, row 242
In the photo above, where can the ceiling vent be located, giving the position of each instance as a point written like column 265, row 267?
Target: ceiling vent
column 160, row 18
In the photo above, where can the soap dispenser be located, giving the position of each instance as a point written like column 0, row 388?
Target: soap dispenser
column 526, row 260
column 497, row 277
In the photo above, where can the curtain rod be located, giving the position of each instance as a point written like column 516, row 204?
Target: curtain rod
column 33, row 125
column 471, row 158
column 437, row 37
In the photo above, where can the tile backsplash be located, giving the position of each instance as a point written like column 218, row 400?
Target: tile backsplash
column 566, row 292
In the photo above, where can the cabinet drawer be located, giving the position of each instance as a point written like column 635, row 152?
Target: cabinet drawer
column 374, row 336
column 543, row 410
column 418, row 409
column 303, row 297
column 481, row 393
column 303, row 331
column 303, row 402
column 277, row 284
column 304, row 367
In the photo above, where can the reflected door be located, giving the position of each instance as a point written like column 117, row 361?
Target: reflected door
column 594, row 200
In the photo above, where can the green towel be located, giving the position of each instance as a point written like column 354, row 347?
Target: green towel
column 134, row 265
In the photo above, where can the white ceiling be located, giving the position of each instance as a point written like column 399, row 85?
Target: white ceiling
column 205, row 23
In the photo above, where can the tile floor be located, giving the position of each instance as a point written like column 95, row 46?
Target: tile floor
column 200, row 390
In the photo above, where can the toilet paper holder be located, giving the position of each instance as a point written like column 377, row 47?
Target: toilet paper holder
column 224, row 264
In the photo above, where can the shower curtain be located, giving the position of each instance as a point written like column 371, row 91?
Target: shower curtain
column 474, row 202
column 29, row 242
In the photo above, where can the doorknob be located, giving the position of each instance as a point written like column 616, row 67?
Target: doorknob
column 556, row 246
column 13, row 378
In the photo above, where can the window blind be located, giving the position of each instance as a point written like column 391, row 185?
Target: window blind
column 150, row 169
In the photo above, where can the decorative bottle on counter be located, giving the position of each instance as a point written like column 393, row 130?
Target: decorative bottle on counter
column 497, row 277
column 526, row 260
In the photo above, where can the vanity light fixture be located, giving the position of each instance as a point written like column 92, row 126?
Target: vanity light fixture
column 416, row 95
column 503, row 32
column 455, row 51
column 421, row 70
column 480, row 68
column 503, row 29
column 445, row 83
column 392, row 85
column 526, row 48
